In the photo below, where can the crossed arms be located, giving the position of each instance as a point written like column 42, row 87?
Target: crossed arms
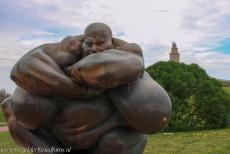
column 41, row 72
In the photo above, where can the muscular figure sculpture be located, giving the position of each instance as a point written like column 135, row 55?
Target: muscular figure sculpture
column 89, row 92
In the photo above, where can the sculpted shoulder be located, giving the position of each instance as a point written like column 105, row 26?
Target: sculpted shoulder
column 70, row 44
column 66, row 52
column 125, row 46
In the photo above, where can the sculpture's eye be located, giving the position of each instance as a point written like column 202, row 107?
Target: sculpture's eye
column 89, row 43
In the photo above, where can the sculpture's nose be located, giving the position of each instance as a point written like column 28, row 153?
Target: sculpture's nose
column 94, row 49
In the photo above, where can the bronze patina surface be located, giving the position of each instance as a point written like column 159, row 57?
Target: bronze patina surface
column 89, row 92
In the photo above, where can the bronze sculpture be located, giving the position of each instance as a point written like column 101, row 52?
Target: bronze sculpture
column 89, row 92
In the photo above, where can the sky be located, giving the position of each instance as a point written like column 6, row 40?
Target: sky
column 200, row 29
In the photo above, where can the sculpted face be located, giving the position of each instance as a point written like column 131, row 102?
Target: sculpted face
column 97, row 38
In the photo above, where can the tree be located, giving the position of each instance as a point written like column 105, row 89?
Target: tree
column 3, row 95
column 198, row 101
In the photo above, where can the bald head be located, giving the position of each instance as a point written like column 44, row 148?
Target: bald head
column 97, row 38
column 98, row 29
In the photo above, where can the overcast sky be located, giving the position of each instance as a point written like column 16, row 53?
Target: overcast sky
column 199, row 27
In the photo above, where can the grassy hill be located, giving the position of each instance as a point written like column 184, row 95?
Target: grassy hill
column 227, row 89
column 197, row 142
column 225, row 83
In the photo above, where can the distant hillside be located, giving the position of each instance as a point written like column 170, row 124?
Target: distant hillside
column 227, row 89
column 225, row 83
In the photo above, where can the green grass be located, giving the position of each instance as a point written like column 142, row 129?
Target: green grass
column 227, row 89
column 5, row 141
column 201, row 142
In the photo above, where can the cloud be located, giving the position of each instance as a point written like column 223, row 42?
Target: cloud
column 207, row 22
column 6, row 83
column 198, row 27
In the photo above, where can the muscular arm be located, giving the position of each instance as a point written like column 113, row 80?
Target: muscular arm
column 38, row 72
column 125, row 46
column 110, row 68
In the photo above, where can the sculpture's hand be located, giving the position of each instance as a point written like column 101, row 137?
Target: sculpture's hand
column 108, row 69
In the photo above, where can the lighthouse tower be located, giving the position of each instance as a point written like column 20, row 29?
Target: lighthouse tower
column 174, row 55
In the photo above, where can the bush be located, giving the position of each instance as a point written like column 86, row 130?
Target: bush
column 3, row 95
column 198, row 101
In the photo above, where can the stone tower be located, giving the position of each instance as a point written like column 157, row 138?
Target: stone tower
column 174, row 55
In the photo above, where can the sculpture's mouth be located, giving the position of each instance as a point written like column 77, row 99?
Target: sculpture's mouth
column 93, row 51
